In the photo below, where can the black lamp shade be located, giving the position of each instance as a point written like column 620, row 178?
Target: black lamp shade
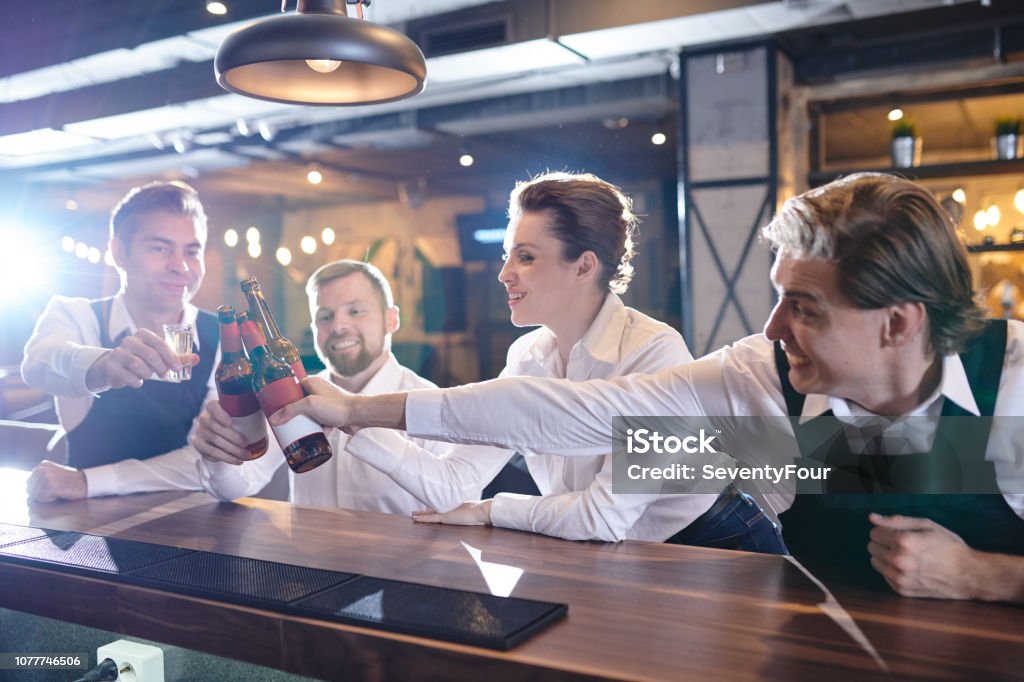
column 267, row 60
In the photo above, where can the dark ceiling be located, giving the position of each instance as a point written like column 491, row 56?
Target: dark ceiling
column 568, row 121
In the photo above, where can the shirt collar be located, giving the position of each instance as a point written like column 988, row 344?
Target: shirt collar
column 952, row 386
column 121, row 321
column 601, row 342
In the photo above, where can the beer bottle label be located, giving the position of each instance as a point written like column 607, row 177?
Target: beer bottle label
column 276, row 395
column 239, row 405
column 295, row 429
column 253, row 426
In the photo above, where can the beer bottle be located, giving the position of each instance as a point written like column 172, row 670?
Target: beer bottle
column 303, row 441
column 234, row 385
column 279, row 346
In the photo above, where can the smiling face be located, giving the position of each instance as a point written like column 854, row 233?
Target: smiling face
column 162, row 264
column 353, row 328
column 542, row 287
column 832, row 347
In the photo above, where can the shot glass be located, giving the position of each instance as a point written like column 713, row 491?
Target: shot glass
column 179, row 338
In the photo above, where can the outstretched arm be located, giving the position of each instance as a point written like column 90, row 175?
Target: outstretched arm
column 332, row 406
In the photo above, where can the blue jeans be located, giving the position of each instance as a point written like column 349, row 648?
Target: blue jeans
column 734, row 521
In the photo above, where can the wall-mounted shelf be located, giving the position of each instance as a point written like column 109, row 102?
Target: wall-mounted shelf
column 930, row 171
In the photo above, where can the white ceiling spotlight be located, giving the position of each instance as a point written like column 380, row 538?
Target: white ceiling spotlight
column 215, row 7
column 465, row 156
column 181, row 141
column 267, row 131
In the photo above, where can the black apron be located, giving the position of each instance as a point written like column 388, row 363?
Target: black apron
column 829, row 532
column 139, row 423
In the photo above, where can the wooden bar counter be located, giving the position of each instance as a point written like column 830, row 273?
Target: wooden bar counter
column 637, row 611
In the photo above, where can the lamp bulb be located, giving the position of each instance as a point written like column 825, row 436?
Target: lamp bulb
column 323, row 65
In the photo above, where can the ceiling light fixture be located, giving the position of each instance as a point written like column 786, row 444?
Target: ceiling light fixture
column 267, row 131
column 320, row 55
column 218, row 8
column 466, row 158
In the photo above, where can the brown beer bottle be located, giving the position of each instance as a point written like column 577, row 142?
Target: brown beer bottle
column 281, row 347
column 303, row 441
column 234, row 385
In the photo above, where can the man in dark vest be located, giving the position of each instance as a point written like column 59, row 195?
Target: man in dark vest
column 876, row 320
column 107, row 362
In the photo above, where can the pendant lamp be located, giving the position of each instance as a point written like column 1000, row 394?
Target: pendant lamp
column 320, row 55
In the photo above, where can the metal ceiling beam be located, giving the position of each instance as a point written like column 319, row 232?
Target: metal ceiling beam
column 59, row 32
column 184, row 83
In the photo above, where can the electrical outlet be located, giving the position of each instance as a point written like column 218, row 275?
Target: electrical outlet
column 136, row 662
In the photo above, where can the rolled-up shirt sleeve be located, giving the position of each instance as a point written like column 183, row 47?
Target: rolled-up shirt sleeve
column 56, row 358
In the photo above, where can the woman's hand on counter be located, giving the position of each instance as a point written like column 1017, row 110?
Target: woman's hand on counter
column 476, row 513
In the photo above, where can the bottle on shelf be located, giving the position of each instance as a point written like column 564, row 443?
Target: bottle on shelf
column 233, row 377
column 303, row 441
column 259, row 311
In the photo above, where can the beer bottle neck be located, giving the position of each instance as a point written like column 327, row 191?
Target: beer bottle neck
column 230, row 343
column 259, row 310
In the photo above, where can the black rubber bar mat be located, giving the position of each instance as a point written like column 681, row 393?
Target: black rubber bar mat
column 89, row 554
column 390, row 605
column 11, row 534
column 253, row 582
column 426, row 611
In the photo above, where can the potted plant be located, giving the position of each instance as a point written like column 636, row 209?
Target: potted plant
column 1007, row 139
column 906, row 145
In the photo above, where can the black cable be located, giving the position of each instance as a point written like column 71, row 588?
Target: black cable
column 104, row 672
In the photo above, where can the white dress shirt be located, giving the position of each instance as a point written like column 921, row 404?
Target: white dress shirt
column 577, row 501
column 574, row 419
column 450, row 473
column 63, row 346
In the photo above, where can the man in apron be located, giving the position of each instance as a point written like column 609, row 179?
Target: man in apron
column 106, row 360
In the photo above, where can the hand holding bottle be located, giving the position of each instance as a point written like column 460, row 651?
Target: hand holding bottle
column 303, row 442
column 329, row 405
column 217, row 440
column 325, row 403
